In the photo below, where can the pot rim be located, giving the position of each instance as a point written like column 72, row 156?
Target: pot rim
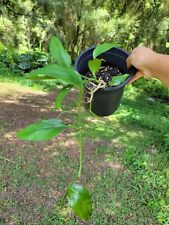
column 132, row 72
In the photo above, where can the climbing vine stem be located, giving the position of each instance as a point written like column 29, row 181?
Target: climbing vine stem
column 80, row 134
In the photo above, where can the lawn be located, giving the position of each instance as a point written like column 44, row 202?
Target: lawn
column 126, row 164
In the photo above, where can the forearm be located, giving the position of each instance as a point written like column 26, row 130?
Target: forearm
column 150, row 64
column 159, row 68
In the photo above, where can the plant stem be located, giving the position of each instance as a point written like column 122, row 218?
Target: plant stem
column 81, row 153
column 80, row 108
column 90, row 102
column 94, row 74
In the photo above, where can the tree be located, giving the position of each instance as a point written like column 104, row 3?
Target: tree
column 82, row 23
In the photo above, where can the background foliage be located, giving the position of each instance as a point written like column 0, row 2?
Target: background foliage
column 80, row 24
column 128, row 22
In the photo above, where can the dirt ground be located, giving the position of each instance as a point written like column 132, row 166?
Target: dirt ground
column 35, row 176
column 20, row 106
column 23, row 199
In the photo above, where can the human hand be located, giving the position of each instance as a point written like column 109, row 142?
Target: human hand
column 141, row 58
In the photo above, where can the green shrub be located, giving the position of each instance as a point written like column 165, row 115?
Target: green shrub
column 24, row 62
column 153, row 88
column 2, row 47
column 29, row 61
column 166, row 141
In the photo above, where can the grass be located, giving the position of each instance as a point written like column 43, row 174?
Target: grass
column 126, row 163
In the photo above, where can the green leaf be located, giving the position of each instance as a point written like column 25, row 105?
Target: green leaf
column 52, row 71
column 94, row 65
column 116, row 80
column 80, row 201
column 58, row 52
column 43, row 130
column 103, row 48
column 59, row 98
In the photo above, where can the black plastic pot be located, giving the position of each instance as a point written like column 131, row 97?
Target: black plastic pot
column 106, row 101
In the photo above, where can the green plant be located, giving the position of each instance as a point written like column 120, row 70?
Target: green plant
column 23, row 62
column 78, row 196
column 95, row 65
column 45, row 130
column 98, row 81
column 8, row 57
column 29, row 61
